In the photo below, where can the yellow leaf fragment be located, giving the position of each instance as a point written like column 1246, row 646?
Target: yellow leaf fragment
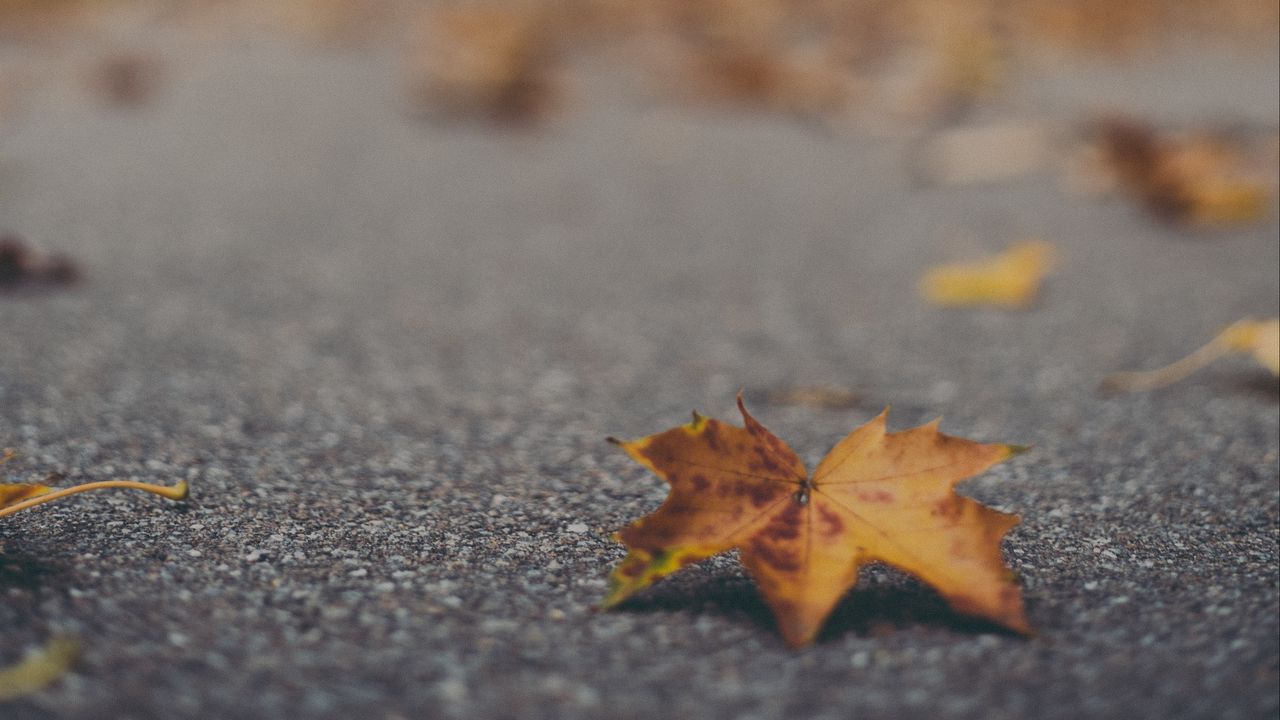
column 876, row 497
column 16, row 497
column 39, row 668
column 1259, row 338
column 1010, row 279
column 13, row 493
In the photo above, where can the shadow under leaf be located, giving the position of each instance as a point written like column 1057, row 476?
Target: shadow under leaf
column 879, row 605
column 23, row 571
column 1260, row 385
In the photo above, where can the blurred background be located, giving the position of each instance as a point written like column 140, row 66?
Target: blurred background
column 378, row 277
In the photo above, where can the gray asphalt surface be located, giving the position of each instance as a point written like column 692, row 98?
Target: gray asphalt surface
column 386, row 354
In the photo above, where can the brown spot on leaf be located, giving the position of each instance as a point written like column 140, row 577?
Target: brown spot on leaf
column 829, row 523
column 785, row 525
column 766, row 463
column 875, row 496
column 947, row 508
column 712, row 435
column 776, row 558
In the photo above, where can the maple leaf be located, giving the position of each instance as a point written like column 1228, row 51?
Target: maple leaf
column 1259, row 338
column 1010, row 279
column 16, row 497
column 876, row 497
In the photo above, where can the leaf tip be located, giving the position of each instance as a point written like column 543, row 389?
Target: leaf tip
column 1111, row 386
column 1016, row 449
column 748, row 420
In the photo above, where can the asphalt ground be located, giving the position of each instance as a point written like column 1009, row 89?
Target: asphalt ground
column 386, row 354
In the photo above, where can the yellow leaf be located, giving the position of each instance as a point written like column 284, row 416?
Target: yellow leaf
column 13, row 493
column 39, row 668
column 17, row 497
column 1259, row 338
column 876, row 497
column 1010, row 279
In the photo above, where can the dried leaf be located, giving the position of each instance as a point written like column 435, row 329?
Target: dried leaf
column 1259, row 338
column 876, row 497
column 39, row 668
column 14, row 493
column 1010, row 279
column 22, row 266
column 484, row 61
column 16, row 497
column 1197, row 179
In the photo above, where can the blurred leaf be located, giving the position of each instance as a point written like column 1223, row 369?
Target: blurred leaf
column 1196, row 179
column 1259, row 338
column 39, row 669
column 1010, row 279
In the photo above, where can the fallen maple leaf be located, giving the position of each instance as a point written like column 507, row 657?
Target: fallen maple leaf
column 1259, row 338
column 876, row 497
column 1010, row 279
column 16, row 497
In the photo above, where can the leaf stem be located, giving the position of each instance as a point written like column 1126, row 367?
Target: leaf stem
column 174, row 492
column 1173, row 372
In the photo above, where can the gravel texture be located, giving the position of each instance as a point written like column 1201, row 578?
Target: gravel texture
column 386, row 354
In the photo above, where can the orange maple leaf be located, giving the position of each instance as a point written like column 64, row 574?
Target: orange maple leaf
column 877, row 496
